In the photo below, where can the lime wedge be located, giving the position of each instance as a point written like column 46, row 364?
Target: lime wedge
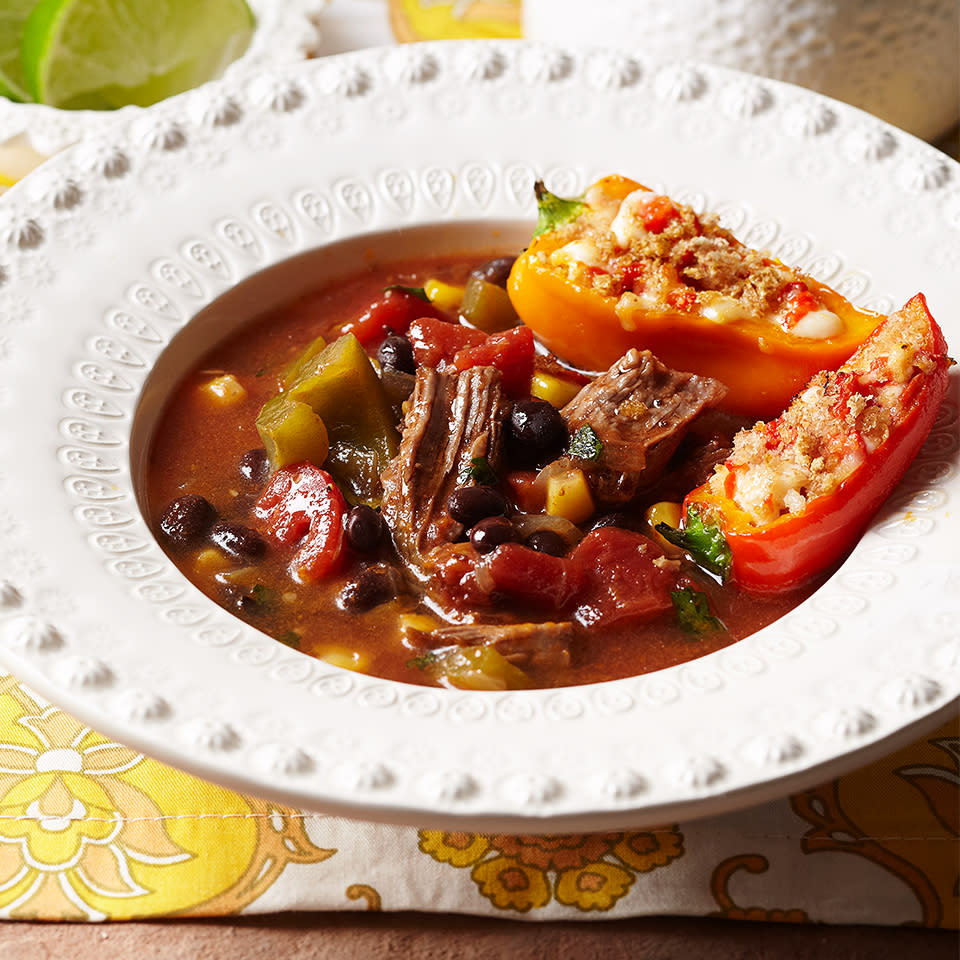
column 13, row 15
column 99, row 54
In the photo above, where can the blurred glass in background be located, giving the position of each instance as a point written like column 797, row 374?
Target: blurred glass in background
column 898, row 60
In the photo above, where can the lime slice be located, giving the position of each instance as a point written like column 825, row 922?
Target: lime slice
column 99, row 54
column 13, row 15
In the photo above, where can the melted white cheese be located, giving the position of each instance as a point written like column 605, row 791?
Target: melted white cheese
column 630, row 304
column 577, row 251
column 628, row 225
column 723, row 309
column 818, row 325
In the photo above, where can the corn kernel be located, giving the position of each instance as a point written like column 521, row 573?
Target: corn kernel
column 347, row 659
column 225, row 390
column 664, row 511
column 568, row 495
column 210, row 561
column 555, row 390
column 444, row 296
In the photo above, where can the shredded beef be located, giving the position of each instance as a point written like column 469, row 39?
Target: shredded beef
column 523, row 644
column 640, row 411
column 452, row 419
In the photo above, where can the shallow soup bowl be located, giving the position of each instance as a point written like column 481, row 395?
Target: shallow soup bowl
column 127, row 255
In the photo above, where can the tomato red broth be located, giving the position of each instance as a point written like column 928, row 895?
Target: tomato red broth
column 197, row 449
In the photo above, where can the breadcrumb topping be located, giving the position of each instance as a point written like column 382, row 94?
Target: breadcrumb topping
column 826, row 433
column 658, row 255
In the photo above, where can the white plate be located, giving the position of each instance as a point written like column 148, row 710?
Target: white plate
column 285, row 32
column 112, row 247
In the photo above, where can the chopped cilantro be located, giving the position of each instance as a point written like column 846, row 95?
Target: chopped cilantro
column 585, row 444
column 704, row 542
column 290, row 639
column 423, row 661
column 263, row 596
column 413, row 291
column 554, row 211
column 479, row 471
column 260, row 372
column 693, row 611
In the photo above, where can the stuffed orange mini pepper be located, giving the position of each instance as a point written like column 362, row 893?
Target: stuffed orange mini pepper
column 626, row 267
column 796, row 492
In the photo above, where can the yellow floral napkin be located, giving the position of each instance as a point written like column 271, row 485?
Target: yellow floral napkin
column 91, row 830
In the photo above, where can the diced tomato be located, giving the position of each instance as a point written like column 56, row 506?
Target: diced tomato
column 395, row 309
column 682, row 298
column 798, row 301
column 438, row 341
column 620, row 579
column 844, row 387
column 776, row 432
column 632, row 272
column 302, row 505
column 511, row 352
column 454, row 576
column 523, row 490
column 610, row 576
column 532, row 576
column 658, row 213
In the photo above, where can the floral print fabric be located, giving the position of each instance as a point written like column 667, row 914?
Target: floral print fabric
column 91, row 830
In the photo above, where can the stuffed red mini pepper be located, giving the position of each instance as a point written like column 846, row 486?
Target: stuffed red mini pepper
column 797, row 491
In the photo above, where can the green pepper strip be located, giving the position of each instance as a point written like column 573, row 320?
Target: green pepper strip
column 341, row 386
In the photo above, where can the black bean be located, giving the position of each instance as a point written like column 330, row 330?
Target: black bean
column 490, row 533
column 396, row 353
column 495, row 271
column 254, row 466
column 467, row 505
column 547, row 541
column 247, row 605
column 370, row 588
column 363, row 528
column 616, row 519
column 187, row 518
column 537, row 430
column 238, row 541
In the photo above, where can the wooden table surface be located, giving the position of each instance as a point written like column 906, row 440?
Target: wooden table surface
column 408, row 936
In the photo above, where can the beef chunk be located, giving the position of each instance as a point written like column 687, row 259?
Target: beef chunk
column 453, row 418
column 523, row 644
column 640, row 411
column 707, row 444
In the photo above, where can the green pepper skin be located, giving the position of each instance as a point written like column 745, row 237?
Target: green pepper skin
column 487, row 306
column 341, row 386
column 292, row 432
